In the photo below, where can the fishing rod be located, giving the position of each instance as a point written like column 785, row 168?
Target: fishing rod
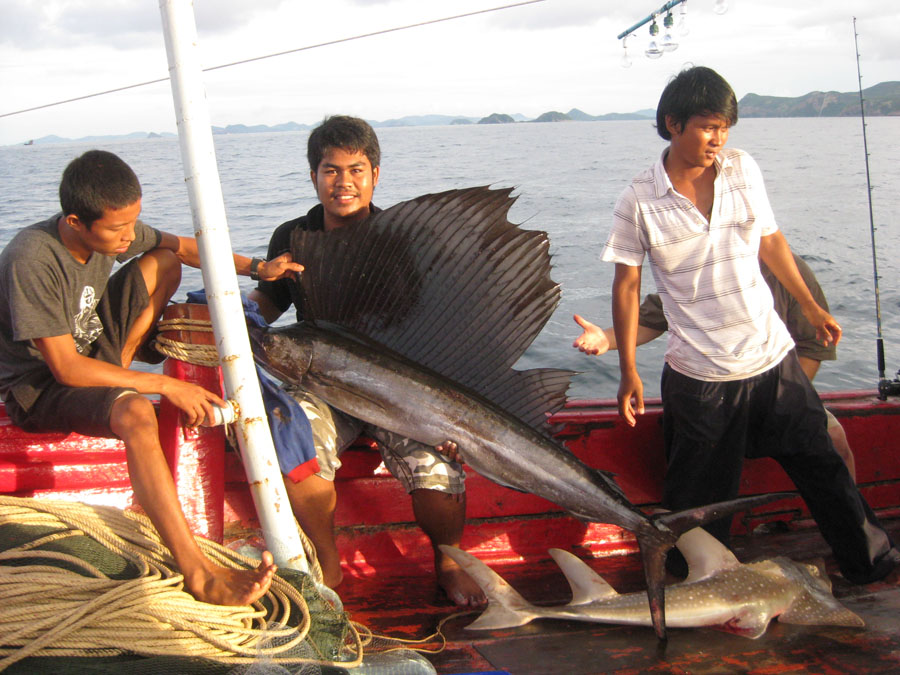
column 885, row 387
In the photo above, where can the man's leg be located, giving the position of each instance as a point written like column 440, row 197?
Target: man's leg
column 436, row 487
column 798, row 440
column 314, row 498
column 442, row 517
column 134, row 421
column 841, row 444
column 704, row 430
column 313, row 501
column 161, row 271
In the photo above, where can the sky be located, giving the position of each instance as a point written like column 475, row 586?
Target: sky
column 550, row 55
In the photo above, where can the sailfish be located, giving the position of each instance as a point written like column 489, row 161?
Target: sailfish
column 413, row 321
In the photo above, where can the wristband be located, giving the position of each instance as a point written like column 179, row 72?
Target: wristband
column 254, row 268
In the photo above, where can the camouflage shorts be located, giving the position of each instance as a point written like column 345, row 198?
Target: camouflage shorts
column 415, row 465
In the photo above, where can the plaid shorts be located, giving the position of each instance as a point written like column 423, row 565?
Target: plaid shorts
column 416, row 465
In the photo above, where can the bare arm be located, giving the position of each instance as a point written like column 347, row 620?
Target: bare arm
column 267, row 308
column 776, row 254
column 625, row 302
column 595, row 340
column 185, row 248
column 72, row 369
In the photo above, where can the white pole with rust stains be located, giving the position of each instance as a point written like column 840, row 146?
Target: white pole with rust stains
column 223, row 294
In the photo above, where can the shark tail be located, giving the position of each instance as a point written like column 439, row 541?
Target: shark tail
column 506, row 607
column 654, row 543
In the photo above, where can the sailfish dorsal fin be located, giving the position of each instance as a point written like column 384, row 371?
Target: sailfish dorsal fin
column 447, row 281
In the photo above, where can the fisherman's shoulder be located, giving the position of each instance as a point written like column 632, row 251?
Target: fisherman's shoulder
column 34, row 237
column 311, row 220
column 651, row 183
column 737, row 161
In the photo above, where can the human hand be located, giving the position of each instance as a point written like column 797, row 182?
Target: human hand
column 451, row 450
column 631, row 397
column 828, row 330
column 197, row 404
column 280, row 267
column 593, row 340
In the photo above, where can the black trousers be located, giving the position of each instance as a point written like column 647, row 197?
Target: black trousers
column 710, row 427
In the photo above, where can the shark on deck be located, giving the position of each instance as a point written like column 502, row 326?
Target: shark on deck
column 719, row 591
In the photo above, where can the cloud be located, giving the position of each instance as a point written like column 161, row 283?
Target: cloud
column 118, row 24
column 565, row 14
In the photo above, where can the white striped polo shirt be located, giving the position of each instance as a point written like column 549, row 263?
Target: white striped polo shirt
column 722, row 320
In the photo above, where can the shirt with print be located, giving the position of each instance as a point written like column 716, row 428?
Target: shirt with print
column 723, row 325
column 45, row 292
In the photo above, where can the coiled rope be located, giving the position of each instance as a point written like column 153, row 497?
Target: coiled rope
column 51, row 610
column 47, row 610
column 201, row 355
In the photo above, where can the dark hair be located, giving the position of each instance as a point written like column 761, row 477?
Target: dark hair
column 95, row 182
column 347, row 133
column 695, row 91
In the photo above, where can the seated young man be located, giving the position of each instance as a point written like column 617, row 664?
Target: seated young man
column 69, row 332
column 344, row 157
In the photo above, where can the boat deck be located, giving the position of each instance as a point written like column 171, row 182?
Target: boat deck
column 411, row 609
column 388, row 566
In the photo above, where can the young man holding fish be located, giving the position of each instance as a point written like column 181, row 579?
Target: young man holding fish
column 69, row 332
column 732, row 385
column 344, row 160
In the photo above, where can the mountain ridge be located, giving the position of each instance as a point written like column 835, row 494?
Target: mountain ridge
column 882, row 99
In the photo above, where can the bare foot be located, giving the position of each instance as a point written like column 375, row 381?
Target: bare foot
column 332, row 574
column 232, row 587
column 459, row 586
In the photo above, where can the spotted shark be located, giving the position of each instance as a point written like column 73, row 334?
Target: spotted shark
column 719, row 592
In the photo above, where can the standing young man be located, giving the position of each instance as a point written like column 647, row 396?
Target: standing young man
column 344, row 160
column 810, row 352
column 69, row 332
column 732, row 385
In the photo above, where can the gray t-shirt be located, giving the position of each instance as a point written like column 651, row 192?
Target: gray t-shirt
column 44, row 292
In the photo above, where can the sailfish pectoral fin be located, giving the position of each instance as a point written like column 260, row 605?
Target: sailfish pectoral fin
column 506, row 607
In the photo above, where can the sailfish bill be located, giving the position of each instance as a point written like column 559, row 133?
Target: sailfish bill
column 413, row 321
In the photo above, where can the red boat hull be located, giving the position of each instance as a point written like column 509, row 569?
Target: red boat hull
column 376, row 529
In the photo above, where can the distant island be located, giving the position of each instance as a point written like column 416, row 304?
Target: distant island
column 881, row 100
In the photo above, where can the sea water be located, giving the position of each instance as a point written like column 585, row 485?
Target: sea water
column 567, row 177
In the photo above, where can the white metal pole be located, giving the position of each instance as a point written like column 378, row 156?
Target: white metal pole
column 222, row 291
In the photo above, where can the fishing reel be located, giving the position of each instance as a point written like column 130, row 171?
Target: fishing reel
column 889, row 387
